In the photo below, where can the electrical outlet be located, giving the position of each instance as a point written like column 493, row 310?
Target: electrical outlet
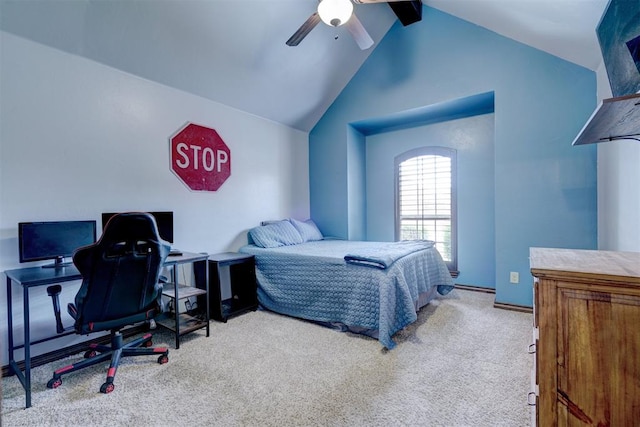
column 514, row 277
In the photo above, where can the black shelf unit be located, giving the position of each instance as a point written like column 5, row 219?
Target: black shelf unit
column 185, row 322
column 242, row 277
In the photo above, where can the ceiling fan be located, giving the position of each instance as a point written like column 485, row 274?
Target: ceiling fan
column 336, row 13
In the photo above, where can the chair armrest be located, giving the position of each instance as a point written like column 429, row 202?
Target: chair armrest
column 54, row 293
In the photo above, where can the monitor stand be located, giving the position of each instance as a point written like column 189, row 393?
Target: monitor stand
column 59, row 263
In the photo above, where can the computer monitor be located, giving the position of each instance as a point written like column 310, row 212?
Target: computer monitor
column 164, row 221
column 55, row 240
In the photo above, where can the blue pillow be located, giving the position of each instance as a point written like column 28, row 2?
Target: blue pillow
column 307, row 229
column 281, row 233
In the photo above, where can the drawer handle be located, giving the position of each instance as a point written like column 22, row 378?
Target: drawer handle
column 531, row 393
column 532, row 348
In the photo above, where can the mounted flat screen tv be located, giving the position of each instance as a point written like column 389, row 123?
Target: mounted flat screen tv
column 164, row 221
column 57, row 240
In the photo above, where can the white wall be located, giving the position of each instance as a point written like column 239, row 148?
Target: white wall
column 618, row 187
column 78, row 138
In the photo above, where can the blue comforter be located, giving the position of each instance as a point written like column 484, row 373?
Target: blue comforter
column 313, row 281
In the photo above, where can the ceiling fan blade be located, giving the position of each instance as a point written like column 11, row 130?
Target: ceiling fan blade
column 358, row 32
column 304, row 29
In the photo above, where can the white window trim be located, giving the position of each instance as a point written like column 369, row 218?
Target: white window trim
column 432, row 151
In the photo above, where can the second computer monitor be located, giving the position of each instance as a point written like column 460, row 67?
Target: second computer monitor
column 164, row 220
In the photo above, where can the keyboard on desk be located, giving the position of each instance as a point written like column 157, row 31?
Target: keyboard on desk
column 175, row 252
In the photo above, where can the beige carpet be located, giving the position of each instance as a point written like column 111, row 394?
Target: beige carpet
column 463, row 363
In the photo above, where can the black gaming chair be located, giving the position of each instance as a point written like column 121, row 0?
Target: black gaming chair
column 120, row 287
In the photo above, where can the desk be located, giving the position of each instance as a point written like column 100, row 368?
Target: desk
column 29, row 278
column 37, row 276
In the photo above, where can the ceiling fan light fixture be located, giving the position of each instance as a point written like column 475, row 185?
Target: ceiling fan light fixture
column 335, row 12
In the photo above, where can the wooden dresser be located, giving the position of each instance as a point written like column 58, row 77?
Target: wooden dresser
column 587, row 337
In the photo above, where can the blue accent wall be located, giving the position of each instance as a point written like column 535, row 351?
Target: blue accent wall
column 512, row 112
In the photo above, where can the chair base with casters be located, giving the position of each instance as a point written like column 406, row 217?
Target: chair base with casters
column 99, row 353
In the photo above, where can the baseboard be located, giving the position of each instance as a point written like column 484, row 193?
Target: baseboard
column 500, row 305
column 61, row 353
column 513, row 307
column 475, row 288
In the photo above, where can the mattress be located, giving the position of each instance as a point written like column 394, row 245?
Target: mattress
column 313, row 281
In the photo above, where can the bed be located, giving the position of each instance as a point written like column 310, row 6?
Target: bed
column 371, row 288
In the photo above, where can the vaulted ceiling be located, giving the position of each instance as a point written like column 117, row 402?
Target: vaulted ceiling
column 234, row 52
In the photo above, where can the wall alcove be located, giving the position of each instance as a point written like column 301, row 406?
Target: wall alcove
column 464, row 124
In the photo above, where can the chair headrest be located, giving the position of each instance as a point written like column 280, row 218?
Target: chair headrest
column 130, row 226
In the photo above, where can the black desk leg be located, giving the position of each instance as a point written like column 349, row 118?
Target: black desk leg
column 206, row 263
column 10, row 319
column 24, row 378
column 27, row 346
column 176, row 302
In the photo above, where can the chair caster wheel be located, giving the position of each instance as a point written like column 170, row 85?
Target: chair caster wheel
column 147, row 343
column 54, row 383
column 90, row 353
column 107, row 388
column 163, row 359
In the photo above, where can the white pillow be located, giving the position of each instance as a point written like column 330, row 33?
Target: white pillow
column 281, row 233
column 307, row 229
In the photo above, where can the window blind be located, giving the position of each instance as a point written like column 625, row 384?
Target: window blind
column 425, row 194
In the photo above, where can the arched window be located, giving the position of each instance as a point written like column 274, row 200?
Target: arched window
column 426, row 199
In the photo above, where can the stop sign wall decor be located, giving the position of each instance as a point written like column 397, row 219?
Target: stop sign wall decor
column 200, row 158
